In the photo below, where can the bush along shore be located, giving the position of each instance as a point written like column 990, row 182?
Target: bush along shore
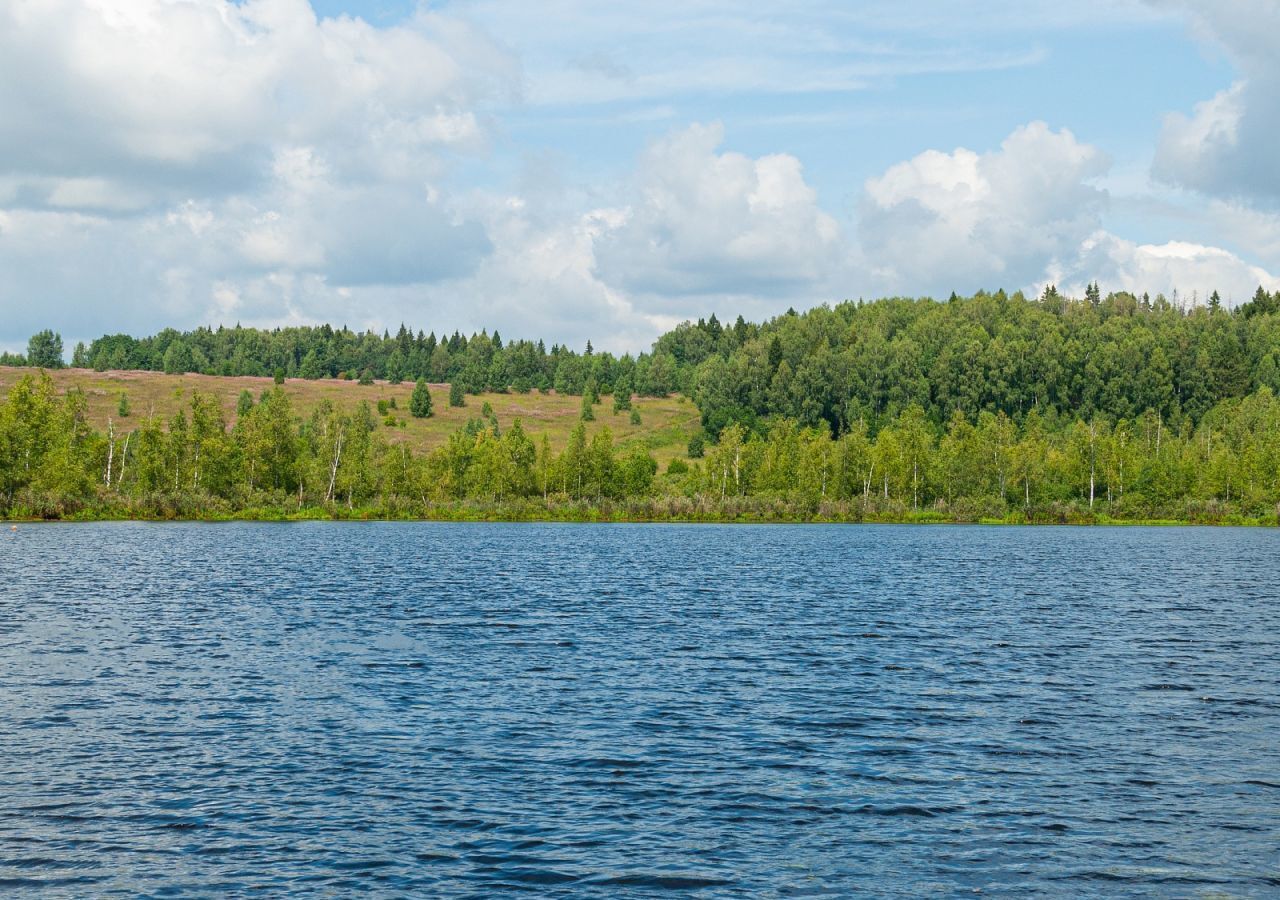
column 336, row 463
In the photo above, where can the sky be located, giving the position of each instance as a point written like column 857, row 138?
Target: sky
column 574, row 170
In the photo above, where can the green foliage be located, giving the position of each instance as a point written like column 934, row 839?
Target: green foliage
column 310, row 367
column 994, row 406
column 479, row 362
column 697, row 445
column 420, row 401
column 395, row 366
column 366, row 377
column 1115, row 354
column 177, row 359
column 278, row 377
column 635, row 417
column 123, row 409
column 1227, row 468
column 44, row 350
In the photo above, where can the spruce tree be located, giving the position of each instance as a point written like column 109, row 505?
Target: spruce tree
column 456, row 396
column 122, row 408
column 1093, row 294
column 420, row 401
column 588, row 415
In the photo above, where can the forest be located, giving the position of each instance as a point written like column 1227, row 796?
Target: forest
column 988, row 408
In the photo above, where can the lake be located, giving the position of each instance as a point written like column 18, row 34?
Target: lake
column 443, row 709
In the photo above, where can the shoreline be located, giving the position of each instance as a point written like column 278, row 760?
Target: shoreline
column 475, row 517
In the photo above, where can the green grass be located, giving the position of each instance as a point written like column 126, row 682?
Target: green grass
column 667, row 423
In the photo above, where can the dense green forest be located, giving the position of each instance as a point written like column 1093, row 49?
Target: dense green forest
column 990, row 407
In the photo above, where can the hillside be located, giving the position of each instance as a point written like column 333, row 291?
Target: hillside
column 667, row 423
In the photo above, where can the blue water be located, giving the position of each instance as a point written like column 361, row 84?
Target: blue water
column 423, row 709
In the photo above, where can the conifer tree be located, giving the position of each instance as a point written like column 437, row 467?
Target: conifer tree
column 456, row 396
column 420, row 401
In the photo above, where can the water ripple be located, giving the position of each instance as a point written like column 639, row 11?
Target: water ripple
column 426, row 709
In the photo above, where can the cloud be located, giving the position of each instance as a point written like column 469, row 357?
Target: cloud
column 1029, row 214
column 182, row 162
column 175, row 163
column 1226, row 146
column 1178, row 268
column 541, row 280
column 183, row 97
column 1253, row 231
column 962, row 220
column 707, row 222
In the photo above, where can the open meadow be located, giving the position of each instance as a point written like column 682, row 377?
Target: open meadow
column 666, row 423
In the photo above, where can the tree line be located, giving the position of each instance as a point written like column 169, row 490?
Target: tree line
column 479, row 363
column 336, row 462
column 983, row 406
column 52, row 463
column 1117, row 356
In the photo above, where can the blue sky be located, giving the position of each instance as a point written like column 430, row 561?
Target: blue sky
column 578, row 170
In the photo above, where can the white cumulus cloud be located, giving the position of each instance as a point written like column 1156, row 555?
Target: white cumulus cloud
column 709, row 222
column 1226, row 145
column 963, row 220
column 1191, row 271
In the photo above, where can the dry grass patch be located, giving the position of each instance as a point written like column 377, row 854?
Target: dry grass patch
column 667, row 423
